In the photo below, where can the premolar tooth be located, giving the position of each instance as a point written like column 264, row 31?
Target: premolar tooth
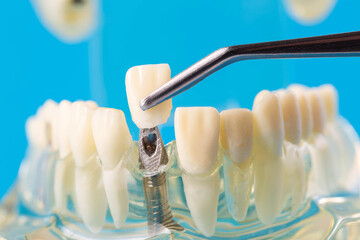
column 89, row 187
column 35, row 128
column 330, row 98
column 318, row 111
column 141, row 81
column 112, row 138
column 63, row 130
column 236, row 138
column 268, row 142
column 305, row 111
column 197, row 136
column 48, row 111
column 291, row 116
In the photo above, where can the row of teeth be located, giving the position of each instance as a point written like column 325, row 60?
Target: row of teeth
column 266, row 148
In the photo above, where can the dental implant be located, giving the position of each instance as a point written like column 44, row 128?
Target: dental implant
column 153, row 159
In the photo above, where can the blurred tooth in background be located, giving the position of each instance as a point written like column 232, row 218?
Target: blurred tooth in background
column 69, row 20
column 309, row 12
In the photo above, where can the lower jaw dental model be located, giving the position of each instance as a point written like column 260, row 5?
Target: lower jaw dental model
column 287, row 169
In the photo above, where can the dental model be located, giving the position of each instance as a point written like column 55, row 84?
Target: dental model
column 197, row 136
column 69, row 20
column 112, row 138
column 91, row 199
column 268, row 149
column 236, row 138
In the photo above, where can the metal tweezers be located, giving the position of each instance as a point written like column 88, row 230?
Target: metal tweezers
column 335, row 45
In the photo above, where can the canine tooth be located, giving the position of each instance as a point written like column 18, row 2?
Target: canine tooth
column 70, row 21
column 318, row 111
column 267, row 147
column 330, row 98
column 236, row 134
column 305, row 110
column 112, row 138
column 291, row 116
column 36, row 132
column 197, row 135
column 89, row 187
column 140, row 81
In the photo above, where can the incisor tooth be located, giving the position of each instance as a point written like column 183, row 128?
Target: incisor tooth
column 291, row 116
column 318, row 111
column 141, row 81
column 112, row 138
column 305, row 111
column 81, row 136
column 197, row 136
column 267, row 148
column 89, row 186
column 236, row 137
column 330, row 98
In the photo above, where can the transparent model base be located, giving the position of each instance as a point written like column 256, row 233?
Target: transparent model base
column 329, row 209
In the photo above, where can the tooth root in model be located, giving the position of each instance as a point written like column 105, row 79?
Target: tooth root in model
column 236, row 138
column 65, row 167
column 267, row 150
column 294, row 176
column 112, row 138
column 89, row 187
column 141, row 81
column 197, row 136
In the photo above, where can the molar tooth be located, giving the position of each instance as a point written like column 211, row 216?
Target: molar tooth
column 267, row 149
column 236, row 138
column 291, row 116
column 141, row 81
column 197, row 136
column 305, row 110
column 112, row 138
column 89, row 187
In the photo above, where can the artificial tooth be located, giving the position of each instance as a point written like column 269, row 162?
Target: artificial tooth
column 294, row 184
column 236, row 137
column 36, row 132
column 318, row 111
column 292, row 116
column 305, row 110
column 70, row 21
column 81, row 135
column 89, row 186
column 48, row 111
column 141, row 81
column 112, row 138
column 330, row 98
column 197, row 136
column 267, row 149
column 63, row 129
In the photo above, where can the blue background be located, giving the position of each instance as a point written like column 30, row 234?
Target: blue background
column 35, row 66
